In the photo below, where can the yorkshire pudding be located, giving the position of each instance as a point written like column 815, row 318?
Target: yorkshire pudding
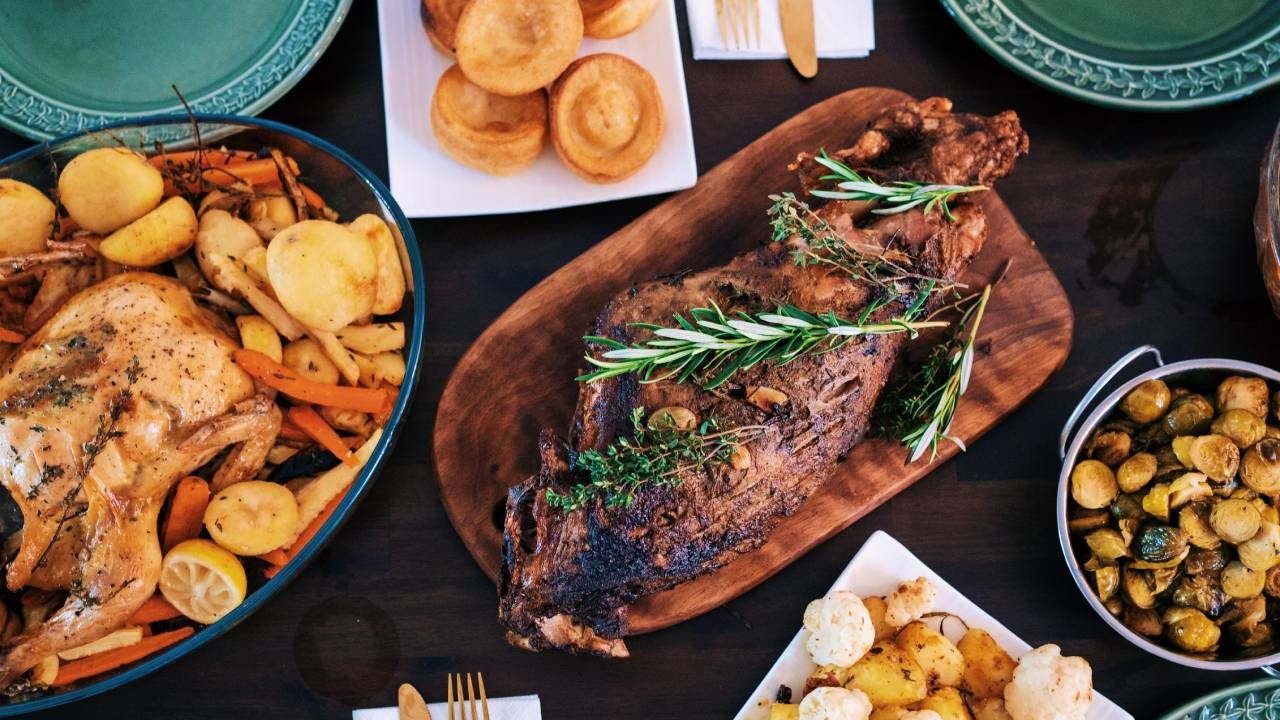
column 493, row 133
column 513, row 47
column 606, row 117
column 614, row 18
column 440, row 18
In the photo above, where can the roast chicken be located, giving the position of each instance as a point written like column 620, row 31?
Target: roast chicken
column 568, row 577
column 127, row 388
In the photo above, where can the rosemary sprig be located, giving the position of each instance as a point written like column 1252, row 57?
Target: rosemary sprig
column 918, row 409
column 652, row 457
column 714, row 346
column 895, row 197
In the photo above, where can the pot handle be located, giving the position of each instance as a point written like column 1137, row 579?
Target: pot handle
column 1270, row 670
column 1101, row 383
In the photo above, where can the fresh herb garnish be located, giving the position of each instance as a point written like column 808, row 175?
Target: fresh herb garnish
column 652, row 457
column 895, row 197
column 919, row 408
column 713, row 346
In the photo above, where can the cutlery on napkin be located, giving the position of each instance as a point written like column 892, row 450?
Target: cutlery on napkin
column 525, row 707
column 844, row 29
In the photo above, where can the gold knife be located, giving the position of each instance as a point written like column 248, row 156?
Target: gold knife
column 412, row 706
column 798, row 34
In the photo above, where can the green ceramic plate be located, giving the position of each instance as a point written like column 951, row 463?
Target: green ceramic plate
column 1257, row 700
column 1137, row 54
column 68, row 65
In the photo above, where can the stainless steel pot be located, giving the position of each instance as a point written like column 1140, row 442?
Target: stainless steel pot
column 1203, row 372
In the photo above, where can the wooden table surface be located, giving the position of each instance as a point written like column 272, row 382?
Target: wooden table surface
column 1145, row 218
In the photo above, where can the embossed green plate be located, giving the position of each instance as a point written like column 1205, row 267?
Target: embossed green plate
column 1257, row 700
column 69, row 65
column 1136, row 54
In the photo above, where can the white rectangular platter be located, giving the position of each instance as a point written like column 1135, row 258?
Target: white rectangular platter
column 877, row 569
column 427, row 183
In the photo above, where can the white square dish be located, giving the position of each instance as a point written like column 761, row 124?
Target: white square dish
column 877, row 569
column 427, row 183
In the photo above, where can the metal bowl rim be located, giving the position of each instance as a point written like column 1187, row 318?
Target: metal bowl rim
column 1082, row 432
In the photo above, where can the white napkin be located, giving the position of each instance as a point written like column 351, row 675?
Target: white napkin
column 844, row 29
column 525, row 707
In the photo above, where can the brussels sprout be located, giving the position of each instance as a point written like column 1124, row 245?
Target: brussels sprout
column 1147, row 402
column 1110, row 447
column 1250, row 635
column 1189, row 415
column 1115, row 605
column 1107, row 580
column 1202, row 562
column 1272, row 585
column 1260, row 468
column 1200, row 592
column 1273, row 431
column 1156, row 501
column 1107, row 544
column 1266, row 510
column 1188, row 488
column 1181, row 448
column 1235, row 520
column 1134, row 473
column 1128, row 507
column 1194, row 521
column 1190, row 630
column 1087, row 520
column 1143, row 621
column 1262, row 551
column 1158, row 543
column 1136, row 585
column 1093, row 485
column 1240, row 581
column 1171, row 563
column 1243, row 427
column 1216, row 456
column 1244, row 393
column 1228, row 488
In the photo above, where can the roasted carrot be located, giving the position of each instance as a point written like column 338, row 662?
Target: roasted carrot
column 155, row 609
column 312, row 197
column 11, row 336
column 211, row 157
column 307, row 534
column 275, row 557
column 254, row 172
column 186, row 511
column 112, row 659
column 383, row 415
column 306, row 418
column 275, row 375
column 289, row 431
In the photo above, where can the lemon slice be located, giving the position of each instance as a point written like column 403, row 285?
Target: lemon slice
column 203, row 581
column 252, row 518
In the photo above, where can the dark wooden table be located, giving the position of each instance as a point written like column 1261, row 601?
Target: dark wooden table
column 1145, row 218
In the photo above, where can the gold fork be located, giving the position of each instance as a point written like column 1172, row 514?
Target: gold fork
column 470, row 698
column 738, row 17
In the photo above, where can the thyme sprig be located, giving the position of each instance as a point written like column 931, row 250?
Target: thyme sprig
column 654, row 456
column 895, row 197
column 713, row 346
column 919, row 408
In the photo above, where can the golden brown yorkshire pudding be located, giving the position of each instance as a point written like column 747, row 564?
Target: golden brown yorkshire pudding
column 614, row 18
column 440, row 18
column 513, row 47
column 493, row 133
column 606, row 117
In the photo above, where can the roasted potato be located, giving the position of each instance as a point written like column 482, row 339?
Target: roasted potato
column 26, row 216
column 305, row 357
column 947, row 702
column 269, row 216
column 220, row 232
column 941, row 661
column 784, row 711
column 323, row 274
column 989, row 709
column 390, row 291
column 373, row 338
column 889, row 676
column 987, row 667
column 258, row 334
column 159, row 236
column 875, row 608
column 105, row 189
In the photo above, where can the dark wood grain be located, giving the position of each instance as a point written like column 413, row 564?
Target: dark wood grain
column 1146, row 220
column 481, row 450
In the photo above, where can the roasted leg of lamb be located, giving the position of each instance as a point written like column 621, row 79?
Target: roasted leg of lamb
column 568, row 577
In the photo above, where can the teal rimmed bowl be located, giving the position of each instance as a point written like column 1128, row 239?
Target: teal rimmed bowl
column 351, row 189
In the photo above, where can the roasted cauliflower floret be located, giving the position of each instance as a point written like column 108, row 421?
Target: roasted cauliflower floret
column 840, row 629
column 1047, row 686
column 834, row 703
column 909, row 602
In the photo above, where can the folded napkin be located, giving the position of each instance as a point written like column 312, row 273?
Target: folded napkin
column 844, row 30
column 525, row 707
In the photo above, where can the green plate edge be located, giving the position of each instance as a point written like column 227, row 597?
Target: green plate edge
column 39, row 117
column 1204, row 82
column 1225, row 704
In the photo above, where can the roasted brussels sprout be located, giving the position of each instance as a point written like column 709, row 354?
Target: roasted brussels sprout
column 1147, row 402
column 1181, row 447
column 1235, row 520
column 1190, row 630
column 1136, row 585
column 1260, row 468
column 1159, row 543
column 1115, row 605
column 1201, row 561
column 1093, row 485
column 1243, row 427
column 1189, row 415
column 1156, row 501
column 1243, row 393
column 1241, row 581
column 1216, row 456
column 1272, row 586
column 1250, row 634
column 1201, row 592
column 1189, row 487
column 1107, row 544
column 1135, row 472
column 1260, row 552
column 1107, row 580
column 1194, row 521
column 1128, row 507
column 1143, row 621
column 1110, row 447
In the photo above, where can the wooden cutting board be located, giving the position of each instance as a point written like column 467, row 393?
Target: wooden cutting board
column 496, row 401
